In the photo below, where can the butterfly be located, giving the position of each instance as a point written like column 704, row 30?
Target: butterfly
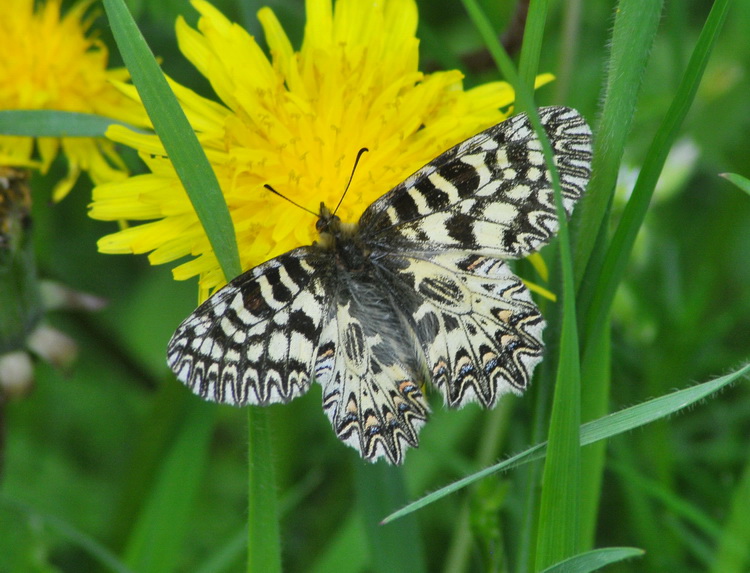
column 417, row 292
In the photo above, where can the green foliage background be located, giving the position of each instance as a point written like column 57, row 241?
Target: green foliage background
column 115, row 466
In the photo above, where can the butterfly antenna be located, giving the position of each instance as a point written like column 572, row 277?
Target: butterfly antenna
column 272, row 190
column 356, row 162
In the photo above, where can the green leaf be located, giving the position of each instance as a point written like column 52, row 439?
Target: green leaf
column 603, row 428
column 178, row 137
column 49, row 123
column 605, row 270
column 561, row 493
column 635, row 26
column 626, row 66
column 533, row 38
column 594, row 560
column 740, row 181
column 559, row 530
column 606, row 281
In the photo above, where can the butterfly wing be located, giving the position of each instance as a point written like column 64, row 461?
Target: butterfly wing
column 479, row 331
column 490, row 194
column 436, row 299
column 370, row 374
column 255, row 340
column 440, row 237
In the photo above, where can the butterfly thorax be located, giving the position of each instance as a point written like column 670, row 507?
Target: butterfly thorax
column 342, row 239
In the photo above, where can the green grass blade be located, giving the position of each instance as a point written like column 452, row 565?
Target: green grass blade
column 49, row 123
column 628, row 59
column 533, row 36
column 203, row 189
column 177, row 135
column 156, row 542
column 594, row 560
column 264, row 541
column 591, row 432
column 740, row 181
column 558, row 524
column 655, row 409
column 604, row 277
column 568, row 49
column 618, row 254
column 636, row 23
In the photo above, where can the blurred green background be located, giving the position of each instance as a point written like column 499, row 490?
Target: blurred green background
column 86, row 450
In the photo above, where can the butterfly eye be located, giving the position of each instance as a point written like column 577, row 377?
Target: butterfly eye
column 327, row 222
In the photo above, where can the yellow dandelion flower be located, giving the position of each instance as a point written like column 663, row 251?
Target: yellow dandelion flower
column 295, row 122
column 51, row 62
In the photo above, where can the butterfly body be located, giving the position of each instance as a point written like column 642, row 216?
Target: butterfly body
column 417, row 292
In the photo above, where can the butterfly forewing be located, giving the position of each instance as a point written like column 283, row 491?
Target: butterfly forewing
column 254, row 341
column 419, row 293
column 491, row 193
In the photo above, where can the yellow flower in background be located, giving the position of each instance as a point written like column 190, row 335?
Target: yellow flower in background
column 49, row 62
column 295, row 122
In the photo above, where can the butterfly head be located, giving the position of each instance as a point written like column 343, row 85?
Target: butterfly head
column 328, row 222
column 340, row 238
column 331, row 228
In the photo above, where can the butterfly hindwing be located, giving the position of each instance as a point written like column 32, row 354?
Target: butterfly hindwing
column 254, row 341
column 491, row 193
column 370, row 376
column 369, row 371
column 479, row 330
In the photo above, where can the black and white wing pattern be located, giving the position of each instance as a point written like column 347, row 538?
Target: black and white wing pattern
column 418, row 292
column 254, row 341
column 491, row 193
column 478, row 329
